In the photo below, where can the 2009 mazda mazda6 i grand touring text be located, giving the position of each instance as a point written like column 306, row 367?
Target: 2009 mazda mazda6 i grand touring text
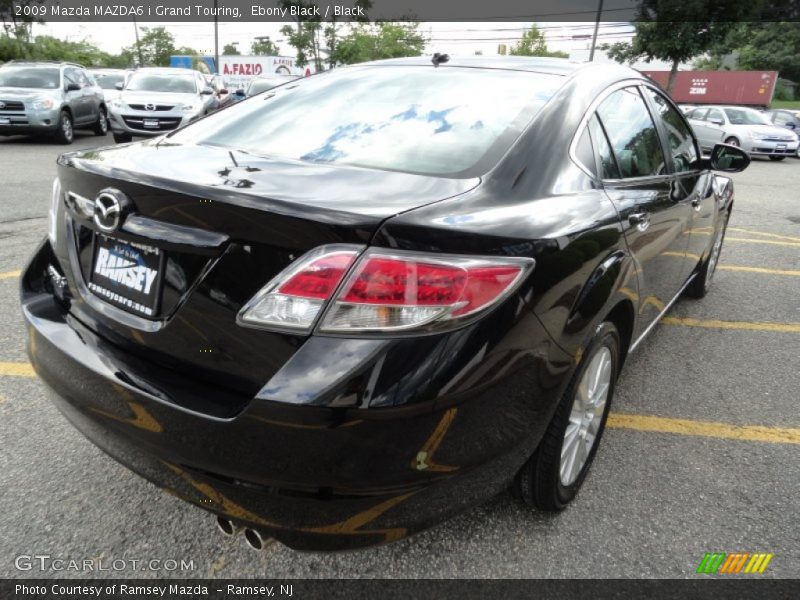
column 349, row 307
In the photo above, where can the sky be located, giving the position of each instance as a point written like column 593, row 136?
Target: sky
column 456, row 38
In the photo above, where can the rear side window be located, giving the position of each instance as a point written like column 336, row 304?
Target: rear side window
column 698, row 113
column 681, row 140
column 449, row 121
column 608, row 166
column 632, row 134
column 714, row 115
column 782, row 119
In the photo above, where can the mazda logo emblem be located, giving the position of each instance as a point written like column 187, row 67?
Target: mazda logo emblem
column 2, row 105
column 149, row 106
column 107, row 212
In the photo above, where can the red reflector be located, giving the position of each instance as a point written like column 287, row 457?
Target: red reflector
column 319, row 278
column 405, row 282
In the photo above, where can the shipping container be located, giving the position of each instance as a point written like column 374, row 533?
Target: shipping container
column 747, row 88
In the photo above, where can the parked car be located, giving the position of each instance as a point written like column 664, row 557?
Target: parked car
column 50, row 98
column 157, row 100
column 264, row 83
column 108, row 79
column 789, row 119
column 744, row 127
column 374, row 298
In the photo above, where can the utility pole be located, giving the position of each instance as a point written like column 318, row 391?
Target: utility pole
column 216, row 40
column 138, row 47
column 596, row 27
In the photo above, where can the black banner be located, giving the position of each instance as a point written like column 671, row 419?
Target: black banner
column 306, row 589
column 392, row 10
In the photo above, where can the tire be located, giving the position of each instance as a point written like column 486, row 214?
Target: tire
column 777, row 158
column 701, row 283
column 122, row 138
column 65, row 134
column 732, row 141
column 101, row 127
column 541, row 483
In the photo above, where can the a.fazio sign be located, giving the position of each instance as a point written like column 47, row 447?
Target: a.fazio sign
column 237, row 71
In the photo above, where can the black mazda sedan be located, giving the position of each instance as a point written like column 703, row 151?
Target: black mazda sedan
column 343, row 310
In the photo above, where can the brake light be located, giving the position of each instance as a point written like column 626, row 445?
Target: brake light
column 385, row 291
column 294, row 299
column 400, row 291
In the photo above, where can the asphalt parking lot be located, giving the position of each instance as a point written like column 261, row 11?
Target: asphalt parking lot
column 701, row 454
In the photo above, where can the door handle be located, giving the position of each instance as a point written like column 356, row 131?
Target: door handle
column 640, row 219
column 696, row 201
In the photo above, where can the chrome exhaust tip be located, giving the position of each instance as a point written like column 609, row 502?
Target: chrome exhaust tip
column 227, row 527
column 254, row 539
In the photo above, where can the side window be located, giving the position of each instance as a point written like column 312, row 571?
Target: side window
column 89, row 78
column 681, row 140
column 632, row 134
column 781, row 119
column 584, row 152
column 70, row 76
column 697, row 113
column 715, row 116
column 608, row 166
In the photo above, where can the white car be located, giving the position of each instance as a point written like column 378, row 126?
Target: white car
column 743, row 127
column 157, row 100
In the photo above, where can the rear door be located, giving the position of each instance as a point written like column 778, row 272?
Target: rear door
column 637, row 179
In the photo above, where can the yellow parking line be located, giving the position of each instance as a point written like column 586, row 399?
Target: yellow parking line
column 765, row 234
column 743, row 325
column 10, row 274
column 758, row 270
column 17, row 369
column 773, row 242
column 750, row 433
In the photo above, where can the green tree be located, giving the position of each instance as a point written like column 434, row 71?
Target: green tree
column 773, row 46
column 263, row 46
column 678, row 32
column 156, row 45
column 366, row 42
column 304, row 35
column 534, row 44
column 230, row 50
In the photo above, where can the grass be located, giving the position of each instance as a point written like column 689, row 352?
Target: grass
column 792, row 104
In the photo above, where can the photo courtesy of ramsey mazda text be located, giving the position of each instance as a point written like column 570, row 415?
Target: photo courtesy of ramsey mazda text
column 345, row 309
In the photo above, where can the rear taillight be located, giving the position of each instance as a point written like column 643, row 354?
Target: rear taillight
column 385, row 291
column 295, row 298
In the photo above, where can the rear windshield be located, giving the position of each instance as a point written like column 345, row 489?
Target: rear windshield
column 162, row 82
column 29, row 77
column 262, row 85
column 107, row 81
column 445, row 121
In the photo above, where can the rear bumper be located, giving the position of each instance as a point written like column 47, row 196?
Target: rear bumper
column 314, row 477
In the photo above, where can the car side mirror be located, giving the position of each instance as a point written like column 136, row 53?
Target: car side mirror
column 716, row 121
column 119, row 85
column 239, row 92
column 729, row 159
column 206, row 91
column 73, row 87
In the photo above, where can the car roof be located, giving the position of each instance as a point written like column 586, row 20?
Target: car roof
column 167, row 70
column 41, row 63
column 555, row 66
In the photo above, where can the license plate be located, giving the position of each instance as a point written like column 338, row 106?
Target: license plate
column 127, row 275
column 151, row 123
column 5, row 121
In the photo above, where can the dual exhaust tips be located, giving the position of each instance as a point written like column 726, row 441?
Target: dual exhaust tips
column 253, row 538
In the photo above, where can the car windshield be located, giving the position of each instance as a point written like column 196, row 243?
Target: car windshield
column 162, row 82
column 745, row 116
column 108, row 81
column 445, row 121
column 262, row 85
column 46, row 78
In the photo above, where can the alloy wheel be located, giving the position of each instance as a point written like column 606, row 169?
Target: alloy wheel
column 586, row 416
column 66, row 126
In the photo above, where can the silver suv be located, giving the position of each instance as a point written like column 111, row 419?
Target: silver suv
column 51, row 98
column 157, row 100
